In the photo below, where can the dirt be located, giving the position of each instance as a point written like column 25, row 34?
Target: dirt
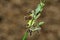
column 13, row 24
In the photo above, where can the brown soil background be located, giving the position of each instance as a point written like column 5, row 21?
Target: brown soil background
column 12, row 23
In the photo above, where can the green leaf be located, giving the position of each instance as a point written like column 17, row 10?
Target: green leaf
column 41, row 23
column 39, row 8
column 37, row 16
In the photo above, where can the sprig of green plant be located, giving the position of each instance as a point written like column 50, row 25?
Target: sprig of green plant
column 35, row 15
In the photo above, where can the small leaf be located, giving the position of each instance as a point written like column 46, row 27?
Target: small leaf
column 41, row 23
column 39, row 8
column 37, row 16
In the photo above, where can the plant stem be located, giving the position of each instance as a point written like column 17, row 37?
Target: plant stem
column 25, row 36
column 34, row 15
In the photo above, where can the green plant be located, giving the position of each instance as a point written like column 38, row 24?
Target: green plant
column 35, row 15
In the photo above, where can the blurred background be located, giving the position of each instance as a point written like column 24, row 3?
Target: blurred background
column 13, row 24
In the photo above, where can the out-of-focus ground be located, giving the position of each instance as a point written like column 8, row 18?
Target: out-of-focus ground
column 12, row 23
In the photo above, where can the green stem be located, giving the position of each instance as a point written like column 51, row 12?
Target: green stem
column 35, row 15
column 25, row 36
